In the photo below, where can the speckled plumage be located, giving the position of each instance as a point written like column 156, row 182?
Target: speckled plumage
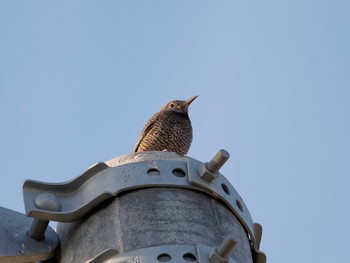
column 169, row 129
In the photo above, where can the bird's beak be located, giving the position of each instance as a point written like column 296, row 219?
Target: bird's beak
column 189, row 101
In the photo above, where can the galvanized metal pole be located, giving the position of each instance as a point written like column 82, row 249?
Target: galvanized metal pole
column 164, row 221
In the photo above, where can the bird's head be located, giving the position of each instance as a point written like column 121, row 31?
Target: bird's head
column 180, row 106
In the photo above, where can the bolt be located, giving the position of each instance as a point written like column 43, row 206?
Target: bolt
column 208, row 171
column 218, row 161
column 38, row 228
column 47, row 202
column 226, row 247
column 222, row 253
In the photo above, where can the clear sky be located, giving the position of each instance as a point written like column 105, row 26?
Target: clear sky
column 78, row 80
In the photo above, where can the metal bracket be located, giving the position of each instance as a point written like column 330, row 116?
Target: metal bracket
column 72, row 200
column 171, row 253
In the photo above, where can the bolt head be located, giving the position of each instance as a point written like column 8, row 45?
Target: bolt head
column 47, row 202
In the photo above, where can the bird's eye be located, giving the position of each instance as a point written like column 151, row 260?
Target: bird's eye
column 171, row 105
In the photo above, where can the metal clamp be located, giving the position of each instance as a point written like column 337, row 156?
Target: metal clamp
column 72, row 200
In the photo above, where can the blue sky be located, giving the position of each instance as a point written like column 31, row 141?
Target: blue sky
column 78, row 80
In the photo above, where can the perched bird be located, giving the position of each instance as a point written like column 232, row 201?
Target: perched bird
column 169, row 129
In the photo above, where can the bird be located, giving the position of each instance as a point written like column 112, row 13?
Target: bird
column 170, row 129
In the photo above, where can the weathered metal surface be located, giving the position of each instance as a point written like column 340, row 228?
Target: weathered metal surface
column 17, row 246
column 153, row 217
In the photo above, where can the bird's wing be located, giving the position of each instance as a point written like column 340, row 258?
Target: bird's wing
column 145, row 130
